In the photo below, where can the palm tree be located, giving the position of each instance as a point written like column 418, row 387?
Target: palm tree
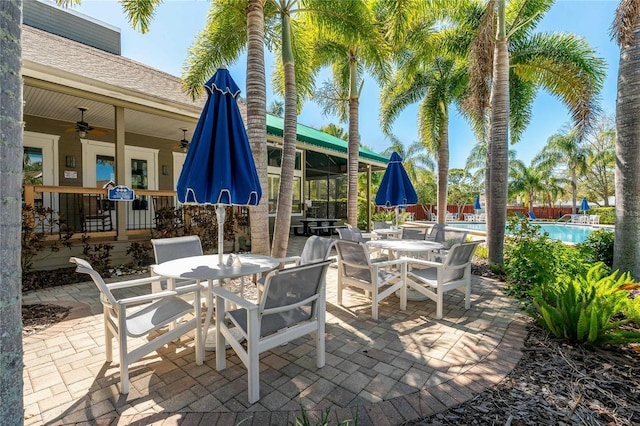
column 334, row 130
column 598, row 180
column 11, row 385
column 626, row 30
column 506, row 83
column 276, row 107
column 565, row 148
column 525, row 180
column 230, row 27
column 348, row 58
column 436, row 83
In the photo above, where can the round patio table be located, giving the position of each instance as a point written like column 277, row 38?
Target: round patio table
column 408, row 248
column 206, row 268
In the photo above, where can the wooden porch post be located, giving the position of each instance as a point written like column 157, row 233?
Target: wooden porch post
column 121, row 207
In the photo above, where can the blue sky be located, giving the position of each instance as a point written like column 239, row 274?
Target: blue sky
column 177, row 22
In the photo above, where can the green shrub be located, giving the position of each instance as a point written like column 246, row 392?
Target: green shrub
column 532, row 258
column 37, row 224
column 607, row 214
column 98, row 255
column 581, row 308
column 598, row 247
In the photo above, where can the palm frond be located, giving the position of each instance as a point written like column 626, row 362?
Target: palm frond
column 221, row 42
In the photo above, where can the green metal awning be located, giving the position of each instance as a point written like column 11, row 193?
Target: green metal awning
column 316, row 138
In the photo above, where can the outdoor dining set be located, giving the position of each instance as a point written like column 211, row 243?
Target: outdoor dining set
column 287, row 303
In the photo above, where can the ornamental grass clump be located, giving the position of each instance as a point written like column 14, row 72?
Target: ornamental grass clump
column 588, row 308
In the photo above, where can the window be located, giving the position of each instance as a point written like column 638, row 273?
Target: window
column 105, row 170
column 139, row 177
column 32, row 166
column 274, row 162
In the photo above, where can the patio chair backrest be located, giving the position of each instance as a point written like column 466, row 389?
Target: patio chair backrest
column 532, row 216
column 355, row 259
column 377, row 224
column 345, row 234
column 459, row 255
column 436, row 233
column 452, row 237
column 409, row 233
column 292, row 291
column 316, row 249
column 107, row 298
column 166, row 249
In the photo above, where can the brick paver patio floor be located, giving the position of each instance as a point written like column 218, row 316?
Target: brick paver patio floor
column 405, row 366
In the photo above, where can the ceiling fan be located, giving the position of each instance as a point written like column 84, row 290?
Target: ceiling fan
column 183, row 145
column 83, row 128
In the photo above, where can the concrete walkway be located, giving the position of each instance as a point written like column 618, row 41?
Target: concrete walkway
column 405, row 366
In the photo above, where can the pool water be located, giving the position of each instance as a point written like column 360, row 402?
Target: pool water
column 567, row 233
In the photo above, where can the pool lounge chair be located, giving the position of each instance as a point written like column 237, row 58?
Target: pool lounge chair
column 532, row 216
column 519, row 215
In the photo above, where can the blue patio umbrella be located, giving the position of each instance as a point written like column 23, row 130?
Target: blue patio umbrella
column 396, row 189
column 476, row 203
column 584, row 205
column 219, row 167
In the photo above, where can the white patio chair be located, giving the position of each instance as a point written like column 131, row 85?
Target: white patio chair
column 448, row 238
column 166, row 249
column 413, row 233
column 436, row 233
column 316, row 249
column 157, row 311
column 594, row 219
column 377, row 278
column 439, row 277
column 293, row 305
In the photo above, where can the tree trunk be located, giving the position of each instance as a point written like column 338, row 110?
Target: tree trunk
column 443, row 170
column 626, row 253
column 11, row 404
column 257, row 122
column 498, row 144
column 285, row 195
column 354, row 143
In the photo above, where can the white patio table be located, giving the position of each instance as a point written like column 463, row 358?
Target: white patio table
column 206, row 268
column 409, row 248
column 390, row 233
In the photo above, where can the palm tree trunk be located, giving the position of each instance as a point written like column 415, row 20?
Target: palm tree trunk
column 443, row 170
column 498, row 146
column 257, row 122
column 354, row 144
column 626, row 252
column 11, row 409
column 285, row 194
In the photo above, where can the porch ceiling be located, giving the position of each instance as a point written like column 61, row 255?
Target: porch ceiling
column 44, row 103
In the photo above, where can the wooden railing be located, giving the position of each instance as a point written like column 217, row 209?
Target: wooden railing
column 68, row 205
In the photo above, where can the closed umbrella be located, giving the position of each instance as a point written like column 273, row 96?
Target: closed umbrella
column 584, row 205
column 476, row 204
column 396, row 188
column 219, row 167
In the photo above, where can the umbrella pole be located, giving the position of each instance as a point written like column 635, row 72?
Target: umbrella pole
column 220, row 215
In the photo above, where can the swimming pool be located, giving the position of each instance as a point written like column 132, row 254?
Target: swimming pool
column 567, row 233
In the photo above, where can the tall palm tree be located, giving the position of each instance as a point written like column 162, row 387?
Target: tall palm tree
column 349, row 58
column 436, row 84
column 504, row 83
column 11, row 409
column 626, row 30
column 565, row 148
column 231, row 26
column 335, row 18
